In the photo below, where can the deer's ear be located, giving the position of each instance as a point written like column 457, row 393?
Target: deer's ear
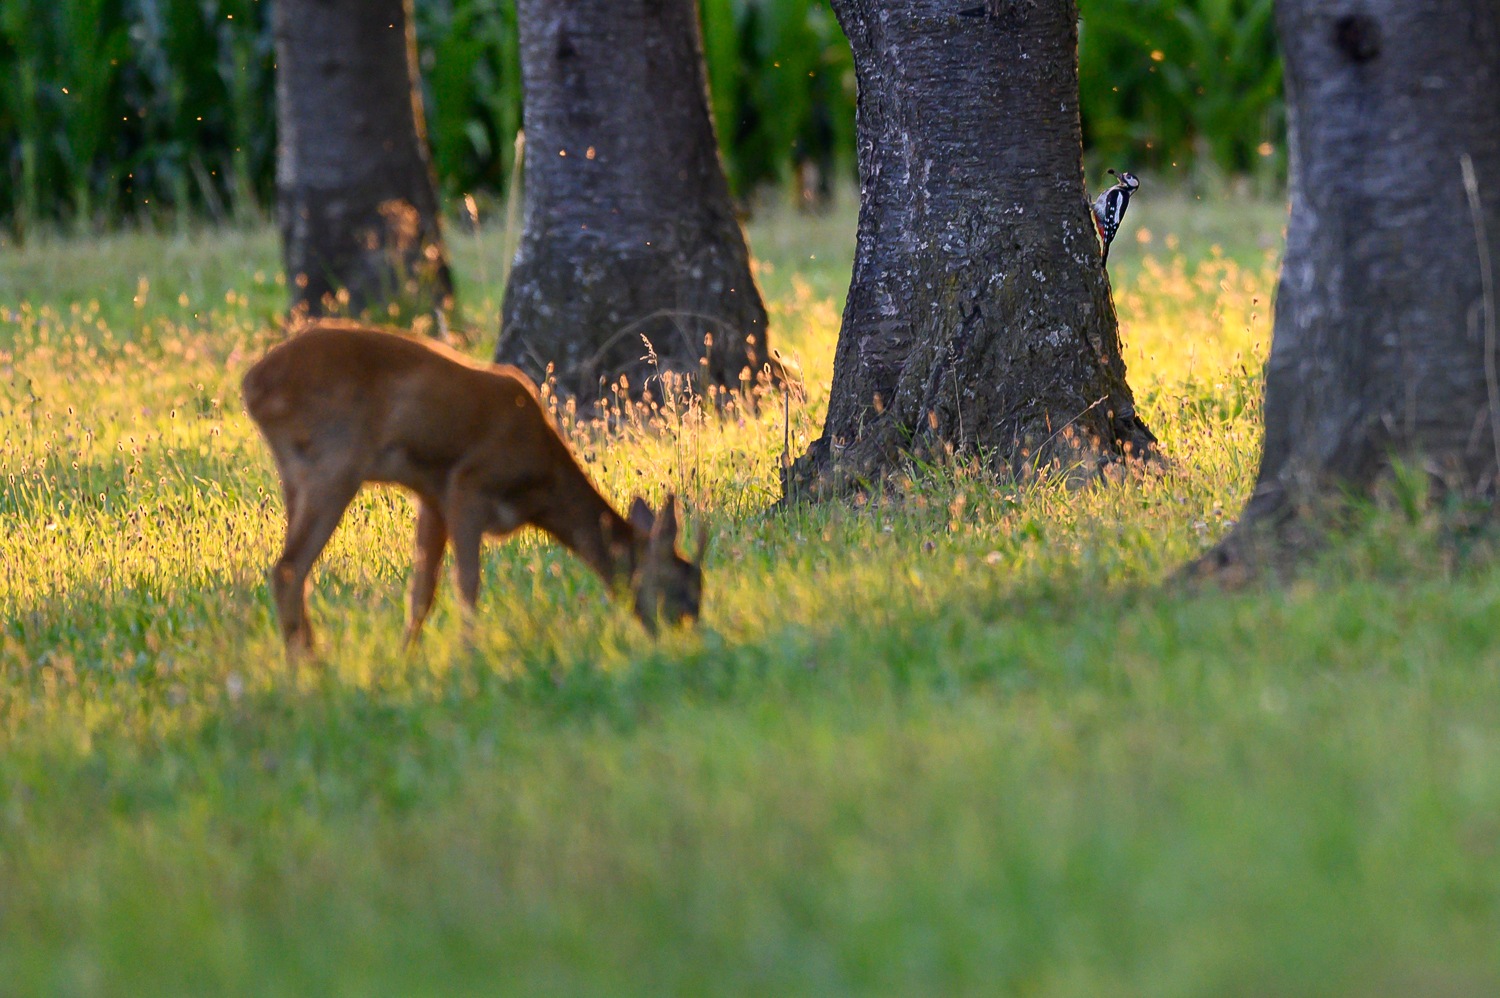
column 641, row 517
column 664, row 531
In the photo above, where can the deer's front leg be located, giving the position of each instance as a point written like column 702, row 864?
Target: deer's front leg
column 465, row 516
column 432, row 536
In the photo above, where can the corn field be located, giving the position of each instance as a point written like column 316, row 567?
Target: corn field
column 162, row 111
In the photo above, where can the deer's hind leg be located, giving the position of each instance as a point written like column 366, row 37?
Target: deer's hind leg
column 432, row 537
column 313, row 512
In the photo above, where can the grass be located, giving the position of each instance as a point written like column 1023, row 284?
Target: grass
column 961, row 743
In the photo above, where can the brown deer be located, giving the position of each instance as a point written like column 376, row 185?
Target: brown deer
column 342, row 404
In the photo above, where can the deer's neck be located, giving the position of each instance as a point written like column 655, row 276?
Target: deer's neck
column 584, row 522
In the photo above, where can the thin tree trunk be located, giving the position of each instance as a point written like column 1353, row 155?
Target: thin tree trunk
column 357, row 207
column 629, row 233
column 1383, row 344
column 979, row 318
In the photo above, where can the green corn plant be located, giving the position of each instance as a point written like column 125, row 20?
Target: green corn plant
column 91, row 44
column 470, row 67
column 1238, row 75
column 833, row 85
column 789, row 55
column 180, row 104
column 1165, row 81
column 22, row 31
column 450, row 57
column 244, row 65
column 8, row 181
column 780, row 76
column 497, row 83
column 721, row 45
column 152, row 103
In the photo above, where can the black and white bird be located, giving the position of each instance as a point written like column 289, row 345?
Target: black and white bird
column 1109, row 208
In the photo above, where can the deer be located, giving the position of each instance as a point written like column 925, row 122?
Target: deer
column 343, row 404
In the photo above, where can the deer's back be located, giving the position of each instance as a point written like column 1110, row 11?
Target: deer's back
column 398, row 409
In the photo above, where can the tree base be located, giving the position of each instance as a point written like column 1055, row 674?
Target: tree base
column 1277, row 535
column 830, row 471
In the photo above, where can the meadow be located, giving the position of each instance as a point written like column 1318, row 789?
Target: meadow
column 969, row 738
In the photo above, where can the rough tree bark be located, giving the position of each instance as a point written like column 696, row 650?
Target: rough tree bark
column 1382, row 343
column 629, row 229
column 356, row 202
column 979, row 316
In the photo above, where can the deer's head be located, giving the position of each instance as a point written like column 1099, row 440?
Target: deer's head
column 665, row 584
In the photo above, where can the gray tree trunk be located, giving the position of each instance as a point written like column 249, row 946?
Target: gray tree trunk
column 1382, row 344
column 980, row 316
column 629, row 229
column 356, row 201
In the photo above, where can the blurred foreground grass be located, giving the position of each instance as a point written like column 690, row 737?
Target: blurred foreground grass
column 960, row 743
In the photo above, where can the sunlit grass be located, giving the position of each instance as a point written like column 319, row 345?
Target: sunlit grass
column 960, row 740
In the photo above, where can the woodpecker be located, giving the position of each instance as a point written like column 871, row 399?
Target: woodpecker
column 1109, row 208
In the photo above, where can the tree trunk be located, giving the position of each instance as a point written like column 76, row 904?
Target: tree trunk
column 1383, row 343
column 979, row 317
column 629, row 232
column 357, row 208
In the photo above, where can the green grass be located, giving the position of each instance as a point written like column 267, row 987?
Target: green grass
column 965, row 742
